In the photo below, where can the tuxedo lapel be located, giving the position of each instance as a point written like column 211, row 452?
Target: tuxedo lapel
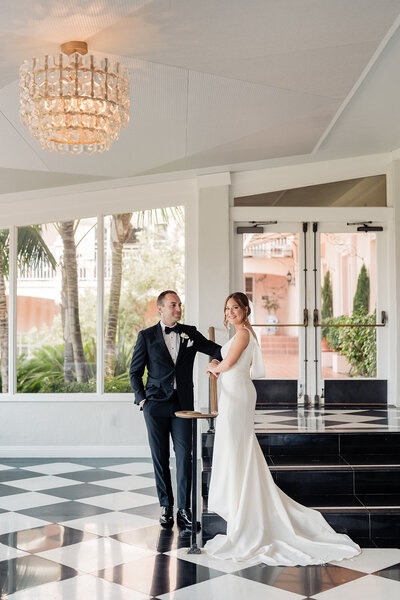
column 182, row 346
column 161, row 342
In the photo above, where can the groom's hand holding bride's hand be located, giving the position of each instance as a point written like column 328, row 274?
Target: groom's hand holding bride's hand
column 210, row 368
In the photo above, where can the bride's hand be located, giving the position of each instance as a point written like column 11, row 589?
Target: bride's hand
column 210, row 370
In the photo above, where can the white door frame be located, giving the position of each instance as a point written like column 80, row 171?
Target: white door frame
column 329, row 219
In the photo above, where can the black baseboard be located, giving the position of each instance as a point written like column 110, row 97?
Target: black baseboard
column 352, row 392
column 276, row 392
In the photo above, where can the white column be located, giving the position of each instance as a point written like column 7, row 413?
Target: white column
column 393, row 194
column 100, row 305
column 213, row 265
column 12, row 311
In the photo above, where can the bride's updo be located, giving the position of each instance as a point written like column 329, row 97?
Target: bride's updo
column 242, row 301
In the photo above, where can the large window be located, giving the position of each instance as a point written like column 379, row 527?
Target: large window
column 144, row 254
column 59, row 299
column 4, row 333
column 56, row 307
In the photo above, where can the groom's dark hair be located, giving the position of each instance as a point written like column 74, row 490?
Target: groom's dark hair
column 160, row 299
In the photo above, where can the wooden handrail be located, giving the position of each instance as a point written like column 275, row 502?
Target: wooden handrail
column 213, row 381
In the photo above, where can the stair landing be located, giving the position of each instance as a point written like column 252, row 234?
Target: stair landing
column 344, row 463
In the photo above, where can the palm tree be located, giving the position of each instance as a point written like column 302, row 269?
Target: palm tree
column 121, row 227
column 68, row 348
column 32, row 251
column 67, row 231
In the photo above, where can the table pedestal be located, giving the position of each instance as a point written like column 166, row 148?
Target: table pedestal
column 194, row 416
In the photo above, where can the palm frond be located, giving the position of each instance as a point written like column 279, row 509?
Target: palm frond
column 156, row 216
column 32, row 249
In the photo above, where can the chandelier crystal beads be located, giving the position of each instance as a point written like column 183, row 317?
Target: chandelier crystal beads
column 71, row 102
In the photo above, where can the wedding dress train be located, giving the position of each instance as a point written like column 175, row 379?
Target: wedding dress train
column 263, row 523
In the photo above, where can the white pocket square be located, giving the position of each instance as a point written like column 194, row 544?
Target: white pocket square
column 190, row 343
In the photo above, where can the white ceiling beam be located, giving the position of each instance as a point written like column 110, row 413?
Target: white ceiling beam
column 378, row 52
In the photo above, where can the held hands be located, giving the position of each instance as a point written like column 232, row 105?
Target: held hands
column 210, row 368
column 142, row 402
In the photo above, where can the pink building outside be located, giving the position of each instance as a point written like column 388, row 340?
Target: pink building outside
column 271, row 280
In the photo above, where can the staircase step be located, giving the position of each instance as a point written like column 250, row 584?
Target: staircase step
column 295, row 463
column 315, row 444
column 352, row 478
column 279, row 343
column 315, row 480
column 280, row 351
column 267, row 346
column 363, row 525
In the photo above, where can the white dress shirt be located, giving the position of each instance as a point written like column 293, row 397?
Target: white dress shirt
column 172, row 341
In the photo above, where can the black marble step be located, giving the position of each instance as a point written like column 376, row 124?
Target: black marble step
column 315, row 444
column 360, row 462
column 368, row 527
column 298, row 480
column 352, row 478
column 338, row 392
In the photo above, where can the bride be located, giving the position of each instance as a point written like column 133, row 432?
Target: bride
column 263, row 523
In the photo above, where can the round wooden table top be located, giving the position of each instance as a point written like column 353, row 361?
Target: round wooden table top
column 193, row 414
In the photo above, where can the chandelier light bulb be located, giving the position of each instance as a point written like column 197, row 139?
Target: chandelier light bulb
column 73, row 103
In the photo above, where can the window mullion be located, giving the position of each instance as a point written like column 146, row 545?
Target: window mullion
column 12, row 312
column 100, row 306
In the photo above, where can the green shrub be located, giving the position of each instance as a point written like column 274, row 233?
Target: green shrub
column 332, row 333
column 118, row 385
column 326, row 302
column 358, row 344
column 44, row 372
column 361, row 297
column 49, row 386
column 47, row 364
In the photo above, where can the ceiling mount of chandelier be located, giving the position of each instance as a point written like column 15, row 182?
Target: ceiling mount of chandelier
column 73, row 103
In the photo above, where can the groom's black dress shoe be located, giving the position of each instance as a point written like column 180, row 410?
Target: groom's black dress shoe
column 167, row 516
column 184, row 518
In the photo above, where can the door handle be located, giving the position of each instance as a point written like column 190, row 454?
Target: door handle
column 303, row 324
column 318, row 324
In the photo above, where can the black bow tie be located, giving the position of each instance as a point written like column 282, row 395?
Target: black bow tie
column 175, row 329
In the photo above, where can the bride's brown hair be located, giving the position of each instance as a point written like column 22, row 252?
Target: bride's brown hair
column 242, row 301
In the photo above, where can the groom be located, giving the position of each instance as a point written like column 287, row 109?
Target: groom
column 168, row 350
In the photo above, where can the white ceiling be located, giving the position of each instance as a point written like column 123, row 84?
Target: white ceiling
column 213, row 82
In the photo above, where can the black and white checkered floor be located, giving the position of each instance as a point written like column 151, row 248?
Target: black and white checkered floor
column 327, row 419
column 88, row 529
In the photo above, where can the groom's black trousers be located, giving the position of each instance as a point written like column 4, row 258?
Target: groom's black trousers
column 161, row 423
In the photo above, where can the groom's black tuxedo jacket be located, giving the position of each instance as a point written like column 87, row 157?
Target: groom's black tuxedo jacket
column 151, row 352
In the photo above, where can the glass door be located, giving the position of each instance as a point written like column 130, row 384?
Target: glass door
column 272, row 269
column 319, row 308
column 350, row 317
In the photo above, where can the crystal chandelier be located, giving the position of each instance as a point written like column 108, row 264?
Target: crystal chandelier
column 71, row 103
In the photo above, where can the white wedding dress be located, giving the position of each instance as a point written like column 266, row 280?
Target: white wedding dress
column 263, row 523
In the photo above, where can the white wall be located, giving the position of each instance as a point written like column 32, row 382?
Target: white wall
column 212, row 267
column 87, row 424
column 90, row 425
column 65, row 428
column 298, row 175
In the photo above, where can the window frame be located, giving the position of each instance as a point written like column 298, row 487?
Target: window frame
column 88, row 201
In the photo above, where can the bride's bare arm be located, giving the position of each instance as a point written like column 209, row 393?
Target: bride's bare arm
column 240, row 342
